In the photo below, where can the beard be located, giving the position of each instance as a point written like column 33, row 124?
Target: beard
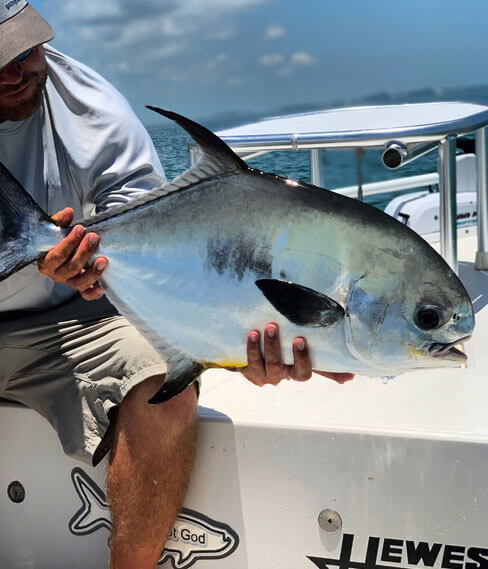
column 21, row 110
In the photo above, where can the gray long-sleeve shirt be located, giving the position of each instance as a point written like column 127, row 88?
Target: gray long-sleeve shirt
column 83, row 148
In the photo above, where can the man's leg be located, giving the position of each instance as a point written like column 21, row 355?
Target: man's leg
column 148, row 472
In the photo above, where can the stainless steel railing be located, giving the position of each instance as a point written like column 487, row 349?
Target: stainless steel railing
column 447, row 205
column 481, row 262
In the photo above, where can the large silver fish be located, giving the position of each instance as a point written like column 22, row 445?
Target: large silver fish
column 225, row 248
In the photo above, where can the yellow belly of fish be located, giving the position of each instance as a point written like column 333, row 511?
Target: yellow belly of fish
column 227, row 364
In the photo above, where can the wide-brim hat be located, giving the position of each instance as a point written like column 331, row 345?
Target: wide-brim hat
column 21, row 28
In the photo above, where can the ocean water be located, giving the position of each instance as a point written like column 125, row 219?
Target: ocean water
column 340, row 166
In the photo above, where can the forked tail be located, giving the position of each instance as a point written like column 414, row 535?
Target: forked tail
column 26, row 231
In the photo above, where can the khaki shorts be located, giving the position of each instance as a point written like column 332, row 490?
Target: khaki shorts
column 73, row 364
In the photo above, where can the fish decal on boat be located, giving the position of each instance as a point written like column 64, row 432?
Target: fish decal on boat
column 193, row 536
column 224, row 249
column 94, row 513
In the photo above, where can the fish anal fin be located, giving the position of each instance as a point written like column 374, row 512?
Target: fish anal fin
column 178, row 378
column 301, row 305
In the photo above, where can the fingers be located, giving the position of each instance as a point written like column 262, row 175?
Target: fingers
column 74, row 260
column 88, row 276
column 64, row 217
column 67, row 262
column 267, row 367
column 338, row 377
column 255, row 370
column 273, row 364
column 53, row 264
column 94, row 292
column 302, row 366
column 69, row 257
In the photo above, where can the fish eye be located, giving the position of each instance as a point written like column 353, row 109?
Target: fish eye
column 427, row 317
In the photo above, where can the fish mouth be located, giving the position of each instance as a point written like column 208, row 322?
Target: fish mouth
column 449, row 351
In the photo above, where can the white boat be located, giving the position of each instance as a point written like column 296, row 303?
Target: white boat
column 374, row 474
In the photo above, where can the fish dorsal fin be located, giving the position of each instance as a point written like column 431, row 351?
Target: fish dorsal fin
column 301, row 305
column 215, row 156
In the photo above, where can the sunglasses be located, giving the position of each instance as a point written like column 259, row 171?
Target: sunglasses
column 19, row 58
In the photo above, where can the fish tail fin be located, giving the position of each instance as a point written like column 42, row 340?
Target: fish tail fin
column 19, row 214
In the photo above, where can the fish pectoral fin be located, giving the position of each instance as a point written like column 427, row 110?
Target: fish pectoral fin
column 178, row 378
column 301, row 305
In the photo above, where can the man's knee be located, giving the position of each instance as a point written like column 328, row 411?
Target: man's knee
column 183, row 407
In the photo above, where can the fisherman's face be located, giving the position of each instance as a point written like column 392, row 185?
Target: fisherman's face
column 21, row 86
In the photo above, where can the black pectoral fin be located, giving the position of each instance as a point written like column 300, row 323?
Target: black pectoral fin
column 177, row 380
column 301, row 305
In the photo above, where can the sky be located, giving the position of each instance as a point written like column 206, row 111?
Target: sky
column 203, row 58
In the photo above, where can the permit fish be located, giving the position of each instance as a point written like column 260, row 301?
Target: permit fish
column 225, row 248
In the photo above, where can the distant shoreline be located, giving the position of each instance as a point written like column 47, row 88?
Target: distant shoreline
column 472, row 94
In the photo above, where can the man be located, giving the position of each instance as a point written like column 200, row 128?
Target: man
column 72, row 140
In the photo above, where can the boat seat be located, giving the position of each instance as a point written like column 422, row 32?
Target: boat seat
column 466, row 173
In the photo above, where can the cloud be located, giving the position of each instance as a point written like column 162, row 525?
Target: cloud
column 144, row 31
column 271, row 59
column 189, row 14
column 224, row 33
column 285, row 71
column 302, row 59
column 274, row 31
column 222, row 61
column 201, row 46
column 110, row 12
column 286, row 66
column 235, row 81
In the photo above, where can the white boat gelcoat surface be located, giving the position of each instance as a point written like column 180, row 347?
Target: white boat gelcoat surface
column 420, row 121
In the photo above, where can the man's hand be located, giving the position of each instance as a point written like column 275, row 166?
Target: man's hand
column 268, row 368
column 67, row 262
